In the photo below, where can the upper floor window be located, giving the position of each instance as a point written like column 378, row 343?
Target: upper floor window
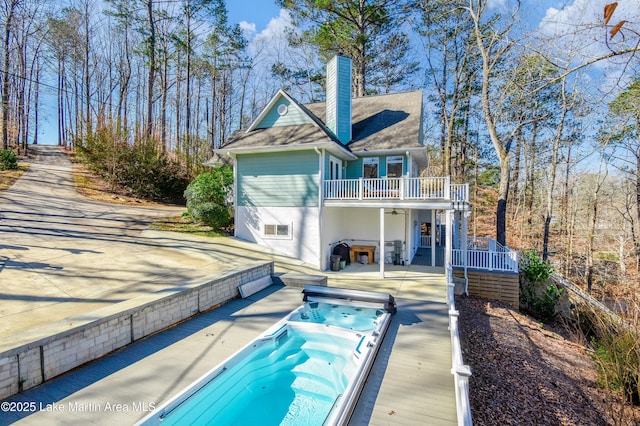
column 394, row 166
column 370, row 167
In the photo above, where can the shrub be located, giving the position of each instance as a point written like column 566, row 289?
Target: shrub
column 208, row 197
column 534, row 268
column 138, row 167
column 538, row 296
column 617, row 354
column 8, row 160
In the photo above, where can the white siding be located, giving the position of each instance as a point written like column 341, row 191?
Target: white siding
column 304, row 242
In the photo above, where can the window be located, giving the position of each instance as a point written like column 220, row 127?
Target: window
column 282, row 109
column 370, row 168
column 394, row 166
column 273, row 230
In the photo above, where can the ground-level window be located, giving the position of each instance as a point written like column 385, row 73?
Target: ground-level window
column 394, row 166
column 274, row 230
column 370, row 167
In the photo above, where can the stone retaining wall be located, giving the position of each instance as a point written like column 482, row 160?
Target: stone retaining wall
column 84, row 338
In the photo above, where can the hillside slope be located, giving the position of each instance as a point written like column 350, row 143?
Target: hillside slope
column 527, row 374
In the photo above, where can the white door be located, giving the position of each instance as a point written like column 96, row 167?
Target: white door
column 336, row 168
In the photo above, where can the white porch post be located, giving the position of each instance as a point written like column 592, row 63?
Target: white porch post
column 433, row 237
column 448, row 239
column 381, row 242
column 465, row 245
column 322, row 258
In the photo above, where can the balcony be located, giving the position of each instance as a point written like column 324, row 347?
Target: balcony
column 412, row 189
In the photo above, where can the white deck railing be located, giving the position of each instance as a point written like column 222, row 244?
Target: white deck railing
column 420, row 188
column 460, row 371
column 493, row 258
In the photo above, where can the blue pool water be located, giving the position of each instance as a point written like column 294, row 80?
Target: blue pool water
column 293, row 382
column 302, row 371
column 349, row 317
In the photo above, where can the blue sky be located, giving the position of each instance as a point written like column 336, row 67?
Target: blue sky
column 257, row 12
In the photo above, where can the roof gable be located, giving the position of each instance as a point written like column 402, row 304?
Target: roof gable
column 282, row 110
column 383, row 123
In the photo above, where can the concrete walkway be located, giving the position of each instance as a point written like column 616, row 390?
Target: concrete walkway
column 62, row 254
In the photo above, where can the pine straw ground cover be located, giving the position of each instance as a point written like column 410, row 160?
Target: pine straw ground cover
column 526, row 373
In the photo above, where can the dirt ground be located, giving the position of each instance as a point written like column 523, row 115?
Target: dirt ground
column 527, row 373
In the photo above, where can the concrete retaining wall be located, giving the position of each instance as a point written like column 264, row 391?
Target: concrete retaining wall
column 87, row 337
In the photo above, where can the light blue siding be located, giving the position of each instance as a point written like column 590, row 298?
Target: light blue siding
column 339, row 97
column 287, row 179
column 354, row 169
column 293, row 116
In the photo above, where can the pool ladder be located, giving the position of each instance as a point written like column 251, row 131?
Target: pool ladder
column 277, row 335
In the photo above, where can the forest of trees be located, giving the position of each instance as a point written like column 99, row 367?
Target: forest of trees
column 543, row 124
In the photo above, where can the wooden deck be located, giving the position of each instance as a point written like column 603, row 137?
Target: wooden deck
column 410, row 383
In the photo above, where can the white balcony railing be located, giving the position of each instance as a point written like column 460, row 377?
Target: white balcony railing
column 420, row 188
column 486, row 254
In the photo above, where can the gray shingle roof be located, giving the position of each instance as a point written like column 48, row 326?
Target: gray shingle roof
column 385, row 122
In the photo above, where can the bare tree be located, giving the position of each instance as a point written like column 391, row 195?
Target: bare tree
column 448, row 39
column 494, row 43
column 9, row 11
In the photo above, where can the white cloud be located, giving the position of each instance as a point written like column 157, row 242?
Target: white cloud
column 569, row 18
column 275, row 29
column 578, row 29
column 248, row 28
column 583, row 14
column 496, row 4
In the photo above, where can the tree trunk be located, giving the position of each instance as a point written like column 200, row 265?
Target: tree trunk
column 152, row 68
column 60, row 102
column 517, row 155
column 552, row 174
column 8, row 23
column 87, row 74
column 590, row 236
column 637, row 154
column 503, row 194
column 531, row 181
column 36, row 104
column 163, row 104
column 593, row 221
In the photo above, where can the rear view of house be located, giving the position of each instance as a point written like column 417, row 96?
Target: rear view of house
column 349, row 170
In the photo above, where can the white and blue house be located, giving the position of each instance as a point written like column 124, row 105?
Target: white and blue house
column 308, row 177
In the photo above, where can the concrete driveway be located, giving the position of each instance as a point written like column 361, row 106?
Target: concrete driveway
column 62, row 254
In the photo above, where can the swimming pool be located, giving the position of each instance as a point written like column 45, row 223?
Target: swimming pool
column 307, row 369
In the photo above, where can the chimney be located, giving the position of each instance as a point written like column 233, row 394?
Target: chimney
column 339, row 98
